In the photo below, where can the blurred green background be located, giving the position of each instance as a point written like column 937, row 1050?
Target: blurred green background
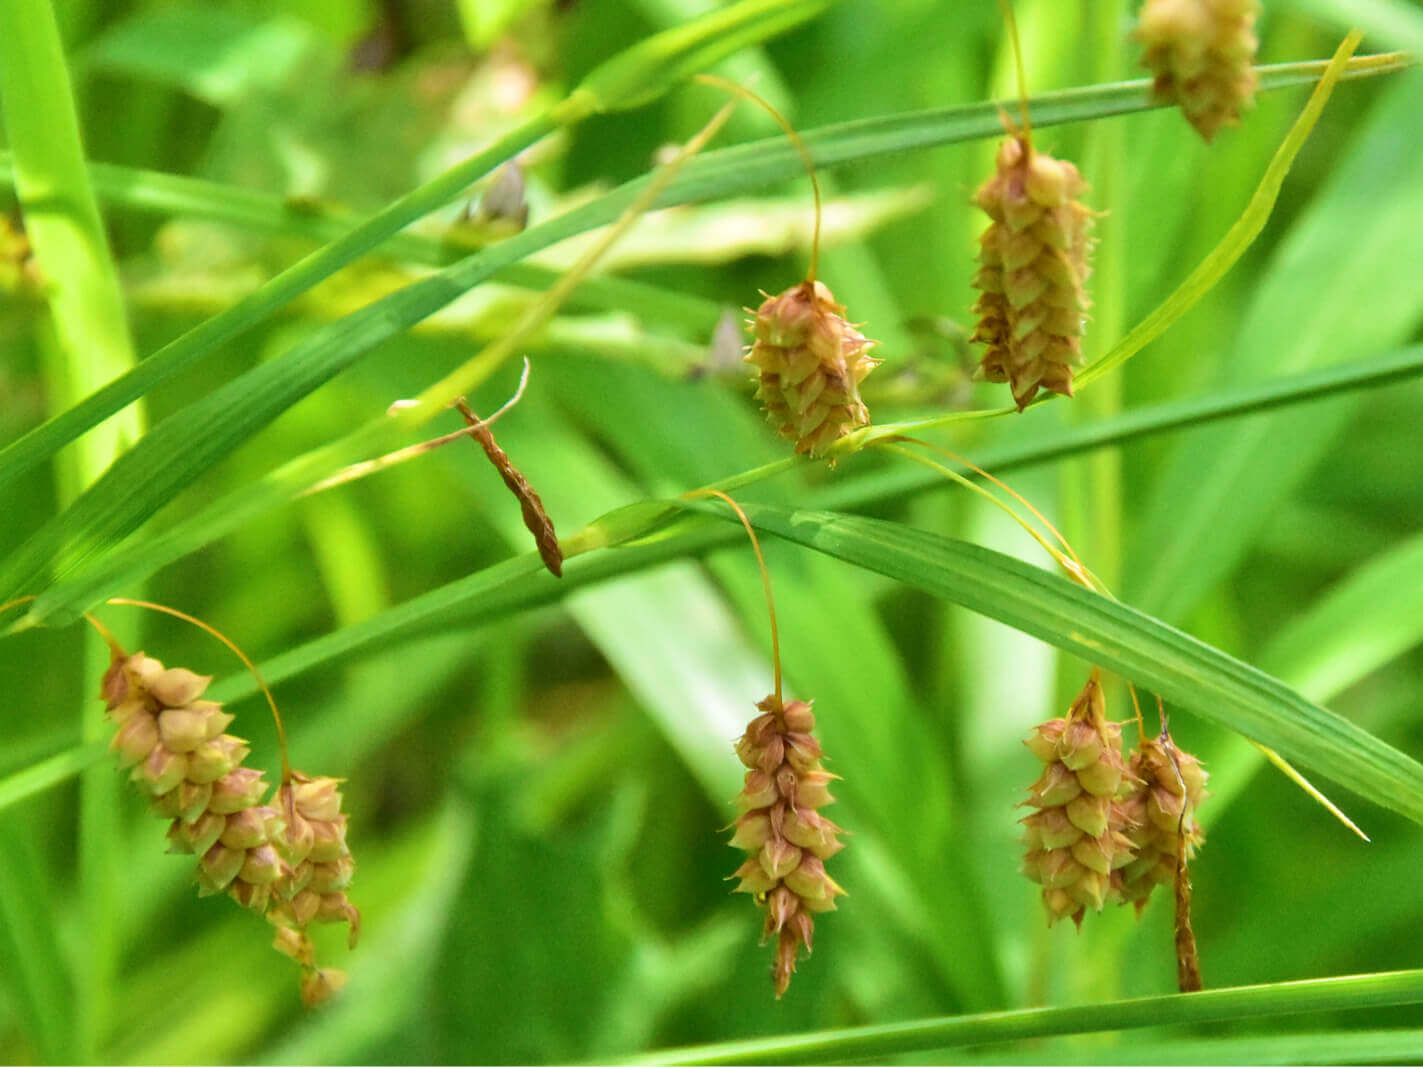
column 537, row 798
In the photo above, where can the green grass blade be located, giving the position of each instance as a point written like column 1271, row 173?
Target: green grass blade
column 1220, row 487
column 645, row 70
column 1372, row 616
column 33, row 970
column 279, row 291
column 1185, row 671
column 1395, row 21
column 190, row 442
column 125, row 568
column 1326, row 1047
column 1240, row 236
column 925, row 1035
column 716, row 173
column 642, row 73
column 89, row 346
column 59, row 768
column 158, row 193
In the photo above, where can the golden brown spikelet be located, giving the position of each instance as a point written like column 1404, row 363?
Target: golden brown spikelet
column 317, row 868
column 781, row 827
column 1033, row 265
column 1076, row 840
column 1169, row 787
column 1201, row 52
column 192, row 771
column 811, row 363
column 288, row 860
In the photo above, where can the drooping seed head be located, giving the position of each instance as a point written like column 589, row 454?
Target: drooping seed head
column 1074, row 839
column 810, row 362
column 788, row 838
column 1161, row 806
column 1201, row 53
column 1033, row 261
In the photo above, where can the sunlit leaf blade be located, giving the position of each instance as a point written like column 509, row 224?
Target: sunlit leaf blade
column 922, row 1035
column 647, row 68
column 1221, row 485
column 1183, row 670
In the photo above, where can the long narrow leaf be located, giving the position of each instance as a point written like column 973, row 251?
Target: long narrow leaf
column 1185, row 671
column 923, row 1035
column 190, row 442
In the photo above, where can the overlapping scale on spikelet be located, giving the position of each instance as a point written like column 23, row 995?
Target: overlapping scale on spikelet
column 1033, row 265
column 317, row 869
column 178, row 754
column 811, row 363
column 1076, row 838
column 780, row 825
column 1161, row 808
column 1201, row 52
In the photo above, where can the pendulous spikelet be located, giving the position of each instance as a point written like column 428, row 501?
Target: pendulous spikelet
column 288, row 860
column 1201, row 53
column 811, row 363
column 782, row 829
column 1169, row 787
column 175, row 744
column 318, row 867
column 1033, row 265
column 1076, row 838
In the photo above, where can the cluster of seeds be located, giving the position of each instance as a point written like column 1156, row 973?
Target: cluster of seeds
column 780, row 826
column 1201, row 53
column 288, row 861
column 192, row 771
column 1075, row 839
column 1106, row 828
column 1033, row 263
column 811, row 363
column 1161, row 809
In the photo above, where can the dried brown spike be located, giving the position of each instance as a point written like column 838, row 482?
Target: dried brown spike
column 1201, row 52
column 1168, row 787
column 535, row 517
column 1033, row 265
column 1188, row 960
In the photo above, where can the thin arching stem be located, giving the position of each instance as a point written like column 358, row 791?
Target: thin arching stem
column 1017, row 46
column 252, row 667
column 795, row 139
column 765, row 579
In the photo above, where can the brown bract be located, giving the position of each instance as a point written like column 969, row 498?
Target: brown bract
column 1201, row 52
column 780, row 826
column 811, row 363
column 1033, row 265
column 1170, row 785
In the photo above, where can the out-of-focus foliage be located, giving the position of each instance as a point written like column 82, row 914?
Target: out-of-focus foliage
column 537, row 798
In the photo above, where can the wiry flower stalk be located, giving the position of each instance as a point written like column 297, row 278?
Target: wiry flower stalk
column 809, row 359
column 781, row 827
column 1076, row 838
column 1161, row 806
column 1033, row 258
column 1201, row 52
